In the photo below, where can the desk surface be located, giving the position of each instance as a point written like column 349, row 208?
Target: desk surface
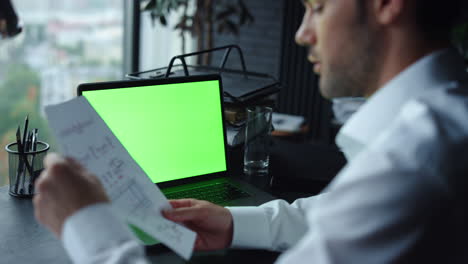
column 23, row 240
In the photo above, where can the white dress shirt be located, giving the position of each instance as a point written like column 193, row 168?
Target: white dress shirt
column 399, row 199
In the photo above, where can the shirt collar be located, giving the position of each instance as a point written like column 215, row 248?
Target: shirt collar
column 428, row 73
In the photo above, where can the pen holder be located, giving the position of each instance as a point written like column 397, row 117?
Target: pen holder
column 22, row 176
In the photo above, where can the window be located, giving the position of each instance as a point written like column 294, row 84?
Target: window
column 64, row 43
column 159, row 43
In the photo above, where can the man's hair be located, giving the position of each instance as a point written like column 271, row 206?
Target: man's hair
column 436, row 18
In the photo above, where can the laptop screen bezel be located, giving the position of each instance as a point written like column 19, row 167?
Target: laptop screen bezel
column 85, row 87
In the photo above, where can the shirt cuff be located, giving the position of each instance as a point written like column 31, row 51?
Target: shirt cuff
column 91, row 230
column 250, row 227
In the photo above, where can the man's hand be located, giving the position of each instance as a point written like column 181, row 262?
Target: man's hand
column 212, row 223
column 62, row 189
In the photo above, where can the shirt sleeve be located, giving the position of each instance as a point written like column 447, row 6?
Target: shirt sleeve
column 389, row 205
column 95, row 235
column 276, row 225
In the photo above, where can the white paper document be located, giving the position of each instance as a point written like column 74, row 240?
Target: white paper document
column 287, row 123
column 83, row 135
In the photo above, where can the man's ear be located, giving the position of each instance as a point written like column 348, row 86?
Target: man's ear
column 388, row 11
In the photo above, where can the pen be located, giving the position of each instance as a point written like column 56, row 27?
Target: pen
column 32, row 179
column 27, row 143
column 22, row 155
column 24, row 149
column 20, row 164
column 27, row 148
column 21, row 149
column 35, row 139
column 26, row 122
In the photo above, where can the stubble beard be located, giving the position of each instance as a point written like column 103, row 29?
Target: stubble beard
column 356, row 72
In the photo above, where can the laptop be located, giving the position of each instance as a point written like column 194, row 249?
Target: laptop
column 174, row 129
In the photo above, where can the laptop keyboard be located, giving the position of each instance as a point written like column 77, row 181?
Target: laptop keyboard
column 217, row 193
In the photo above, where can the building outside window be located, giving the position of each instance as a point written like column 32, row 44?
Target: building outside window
column 64, row 43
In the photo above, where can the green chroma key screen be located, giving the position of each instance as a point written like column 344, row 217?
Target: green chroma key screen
column 173, row 131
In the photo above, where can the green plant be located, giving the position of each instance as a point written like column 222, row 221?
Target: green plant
column 460, row 39
column 224, row 16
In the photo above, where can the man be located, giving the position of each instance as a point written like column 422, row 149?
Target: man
column 399, row 199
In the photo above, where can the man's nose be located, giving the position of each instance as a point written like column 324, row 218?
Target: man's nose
column 305, row 35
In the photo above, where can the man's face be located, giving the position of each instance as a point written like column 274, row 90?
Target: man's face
column 341, row 44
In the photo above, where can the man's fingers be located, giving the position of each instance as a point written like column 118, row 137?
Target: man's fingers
column 57, row 171
column 52, row 158
column 74, row 163
column 59, row 165
column 184, row 214
column 198, row 244
column 181, row 203
column 179, row 211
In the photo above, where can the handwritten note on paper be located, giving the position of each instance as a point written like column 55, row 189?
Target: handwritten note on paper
column 83, row 135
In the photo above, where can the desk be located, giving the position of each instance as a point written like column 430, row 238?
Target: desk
column 297, row 169
column 23, row 240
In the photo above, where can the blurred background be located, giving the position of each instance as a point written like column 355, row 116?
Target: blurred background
column 63, row 43
column 67, row 42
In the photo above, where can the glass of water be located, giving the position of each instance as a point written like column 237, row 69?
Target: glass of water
column 257, row 140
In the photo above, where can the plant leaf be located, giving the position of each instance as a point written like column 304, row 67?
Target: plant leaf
column 231, row 27
column 163, row 21
column 230, row 10
column 148, row 5
column 153, row 18
column 220, row 28
column 245, row 16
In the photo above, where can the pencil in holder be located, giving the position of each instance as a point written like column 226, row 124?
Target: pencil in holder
column 24, row 168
